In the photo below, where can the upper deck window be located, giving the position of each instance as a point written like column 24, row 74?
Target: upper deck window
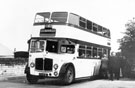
column 95, row 27
column 73, row 19
column 100, row 31
column 82, row 22
column 59, row 17
column 89, row 25
column 106, row 32
column 41, row 18
column 109, row 33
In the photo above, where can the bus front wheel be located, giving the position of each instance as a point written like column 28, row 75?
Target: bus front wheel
column 69, row 75
column 31, row 79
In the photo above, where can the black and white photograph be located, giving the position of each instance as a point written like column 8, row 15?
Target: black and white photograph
column 67, row 44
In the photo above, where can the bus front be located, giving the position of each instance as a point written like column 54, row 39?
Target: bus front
column 46, row 58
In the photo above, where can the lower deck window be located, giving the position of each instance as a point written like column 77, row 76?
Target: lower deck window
column 81, row 53
column 94, row 52
column 88, row 53
column 67, row 49
column 91, row 52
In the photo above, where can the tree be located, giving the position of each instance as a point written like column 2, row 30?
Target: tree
column 127, row 46
column 127, row 43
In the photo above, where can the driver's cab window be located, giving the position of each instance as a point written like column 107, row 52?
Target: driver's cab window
column 52, row 46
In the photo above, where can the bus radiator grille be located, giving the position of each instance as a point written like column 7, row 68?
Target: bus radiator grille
column 44, row 64
column 48, row 64
column 39, row 64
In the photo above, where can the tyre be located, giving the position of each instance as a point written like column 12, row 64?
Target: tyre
column 69, row 76
column 31, row 79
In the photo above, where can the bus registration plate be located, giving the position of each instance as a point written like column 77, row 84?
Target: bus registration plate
column 42, row 74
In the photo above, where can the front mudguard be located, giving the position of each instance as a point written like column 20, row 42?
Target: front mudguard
column 27, row 70
column 64, row 69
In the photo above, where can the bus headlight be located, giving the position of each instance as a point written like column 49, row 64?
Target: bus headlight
column 32, row 65
column 55, row 73
column 55, row 66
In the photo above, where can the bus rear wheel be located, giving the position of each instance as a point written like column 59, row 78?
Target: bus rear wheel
column 31, row 79
column 69, row 76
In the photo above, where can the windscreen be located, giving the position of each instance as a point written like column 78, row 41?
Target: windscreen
column 37, row 46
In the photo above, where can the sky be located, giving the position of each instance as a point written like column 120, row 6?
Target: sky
column 17, row 17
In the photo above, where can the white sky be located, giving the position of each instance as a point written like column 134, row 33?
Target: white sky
column 17, row 16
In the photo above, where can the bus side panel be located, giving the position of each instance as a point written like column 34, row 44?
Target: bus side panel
column 85, row 67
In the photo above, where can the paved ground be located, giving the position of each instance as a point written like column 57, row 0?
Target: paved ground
column 20, row 82
column 14, row 77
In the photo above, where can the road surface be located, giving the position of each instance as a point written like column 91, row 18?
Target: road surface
column 20, row 82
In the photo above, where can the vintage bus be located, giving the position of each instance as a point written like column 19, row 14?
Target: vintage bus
column 65, row 46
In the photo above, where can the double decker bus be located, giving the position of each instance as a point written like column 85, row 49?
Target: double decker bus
column 65, row 46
